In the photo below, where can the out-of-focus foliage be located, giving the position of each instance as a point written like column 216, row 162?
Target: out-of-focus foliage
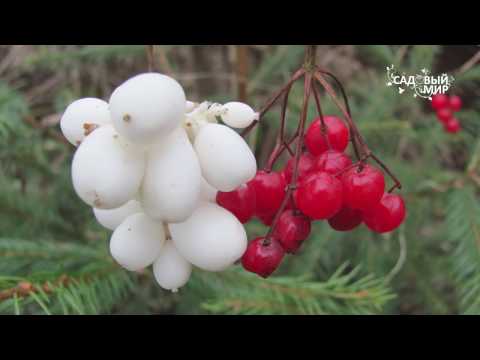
column 54, row 257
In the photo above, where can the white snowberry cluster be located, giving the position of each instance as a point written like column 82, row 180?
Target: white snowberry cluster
column 150, row 163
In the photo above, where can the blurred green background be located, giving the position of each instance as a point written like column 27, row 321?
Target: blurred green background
column 54, row 256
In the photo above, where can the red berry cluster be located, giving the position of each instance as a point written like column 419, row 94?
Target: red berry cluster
column 445, row 106
column 329, row 188
column 319, row 182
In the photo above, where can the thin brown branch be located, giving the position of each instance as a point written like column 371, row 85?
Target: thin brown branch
column 242, row 72
column 150, row 50
column 25, row 288
column 298, row 74
column 469, row 63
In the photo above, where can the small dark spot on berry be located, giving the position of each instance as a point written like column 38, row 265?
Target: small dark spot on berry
column 127, row 118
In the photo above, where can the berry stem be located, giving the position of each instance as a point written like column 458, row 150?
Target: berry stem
column 298, row 74
column 301, row 132
column 281, row 144
column 320, row 113
column 355, row 132
column 347, row 108
column 168, row 235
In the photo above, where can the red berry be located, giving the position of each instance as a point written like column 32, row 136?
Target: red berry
column 291, row 230
column 333, row 162
column 455, row 103
column 387, row 215
column 269, row 192
column 444, row 115
column 440, row 101
column 346, row 219
column 337, row 135
column 266, row 219
column 452, row 126
column 319, row 195
column 306, row 164
column 263, row 257
column 363, row 188
column 240, row 202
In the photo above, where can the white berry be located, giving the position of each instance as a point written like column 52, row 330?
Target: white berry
column 225, row 158
column 137, row 242
column 111, row 218
column 171, row 188
column 82, row 117
column 171, row 270
column 211, row 239
column 147, row 107
column 238, row 115
column 107, row 171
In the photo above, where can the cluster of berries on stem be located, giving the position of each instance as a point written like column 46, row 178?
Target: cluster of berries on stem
column 445, row 107
column 319, row 182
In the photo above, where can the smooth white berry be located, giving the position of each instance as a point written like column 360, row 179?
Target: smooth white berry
column 107, row 171
column 111, row 218
column 137, row 242
column 225, row 158
column 171, row 270
column 238, row 115
column 211, row 239
column 147, row 107
column 171, row 187
column 82, row 117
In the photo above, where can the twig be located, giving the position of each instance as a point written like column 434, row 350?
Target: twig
column 25, row 288
column 469, row 64
column 150, row 49
column 273, row 99
column 242, row 72
column 165, row 66
column 401, row 258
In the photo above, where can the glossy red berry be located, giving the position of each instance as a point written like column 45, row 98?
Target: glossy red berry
column 306, row 164
column 452, row 126
column 440, row 101
column 455, row 102
column 332, row 162
column 387, row 215
column 337, row 133
column 319, row 195
column 240, row 202
column 363, row 187
column 291, row 230
column 444, row 115
column 266, row 219
column 346, row 219
column 269, row 191
column 263, row 257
